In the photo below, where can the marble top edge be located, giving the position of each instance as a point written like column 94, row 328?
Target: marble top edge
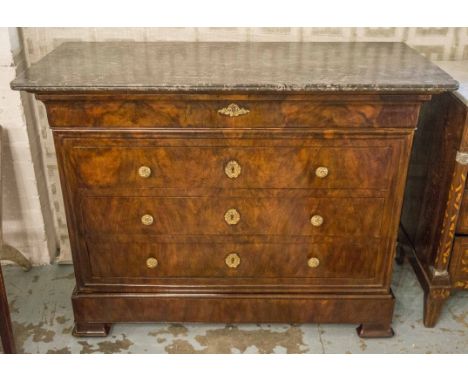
column 245, row 88
column 234, row 66
column 459, row 71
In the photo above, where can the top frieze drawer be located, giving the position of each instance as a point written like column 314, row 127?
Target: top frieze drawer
column 225, row 112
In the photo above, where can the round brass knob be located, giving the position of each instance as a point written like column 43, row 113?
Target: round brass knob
column 232, row 169
column 316, row 220
column 144, row 171
column 151, row 262
column 232, row 260
column 232, row 216
column 321, row 172
column 313, row 262
column 147, row 219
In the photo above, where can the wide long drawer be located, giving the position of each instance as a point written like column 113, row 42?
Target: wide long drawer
column 110, row 259
column 307, row 216
column 327, row 164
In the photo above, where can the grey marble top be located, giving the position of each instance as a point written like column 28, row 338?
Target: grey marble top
column 231, row 66
column 459, row 71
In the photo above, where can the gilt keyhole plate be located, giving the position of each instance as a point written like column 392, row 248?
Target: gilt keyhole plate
column 232, row 260
column 232, row 169
column 232, row 216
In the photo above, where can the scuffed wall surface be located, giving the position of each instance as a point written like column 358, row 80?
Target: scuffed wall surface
column 434, row 43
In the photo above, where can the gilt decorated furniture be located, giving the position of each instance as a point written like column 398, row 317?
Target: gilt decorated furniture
column 435, row 213
column 233, row 182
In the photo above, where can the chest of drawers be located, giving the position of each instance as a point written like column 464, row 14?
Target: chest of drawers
column 239, row 182
column 435, row 214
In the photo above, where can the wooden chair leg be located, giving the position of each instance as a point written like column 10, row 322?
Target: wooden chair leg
column 6, row 329
column 433, row 302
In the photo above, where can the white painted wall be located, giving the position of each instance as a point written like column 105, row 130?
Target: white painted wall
column 24, row 211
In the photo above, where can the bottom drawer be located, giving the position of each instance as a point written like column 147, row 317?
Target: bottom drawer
column 459, row 263
column 230, row 260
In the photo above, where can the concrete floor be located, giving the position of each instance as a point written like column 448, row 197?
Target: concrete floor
column 43, row 320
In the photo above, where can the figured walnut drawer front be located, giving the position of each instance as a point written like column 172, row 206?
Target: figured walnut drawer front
column 459, row 263
column 233, row 167
column 150, row 260
column 462, row 224
column 306, row 216
column 230, row 114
